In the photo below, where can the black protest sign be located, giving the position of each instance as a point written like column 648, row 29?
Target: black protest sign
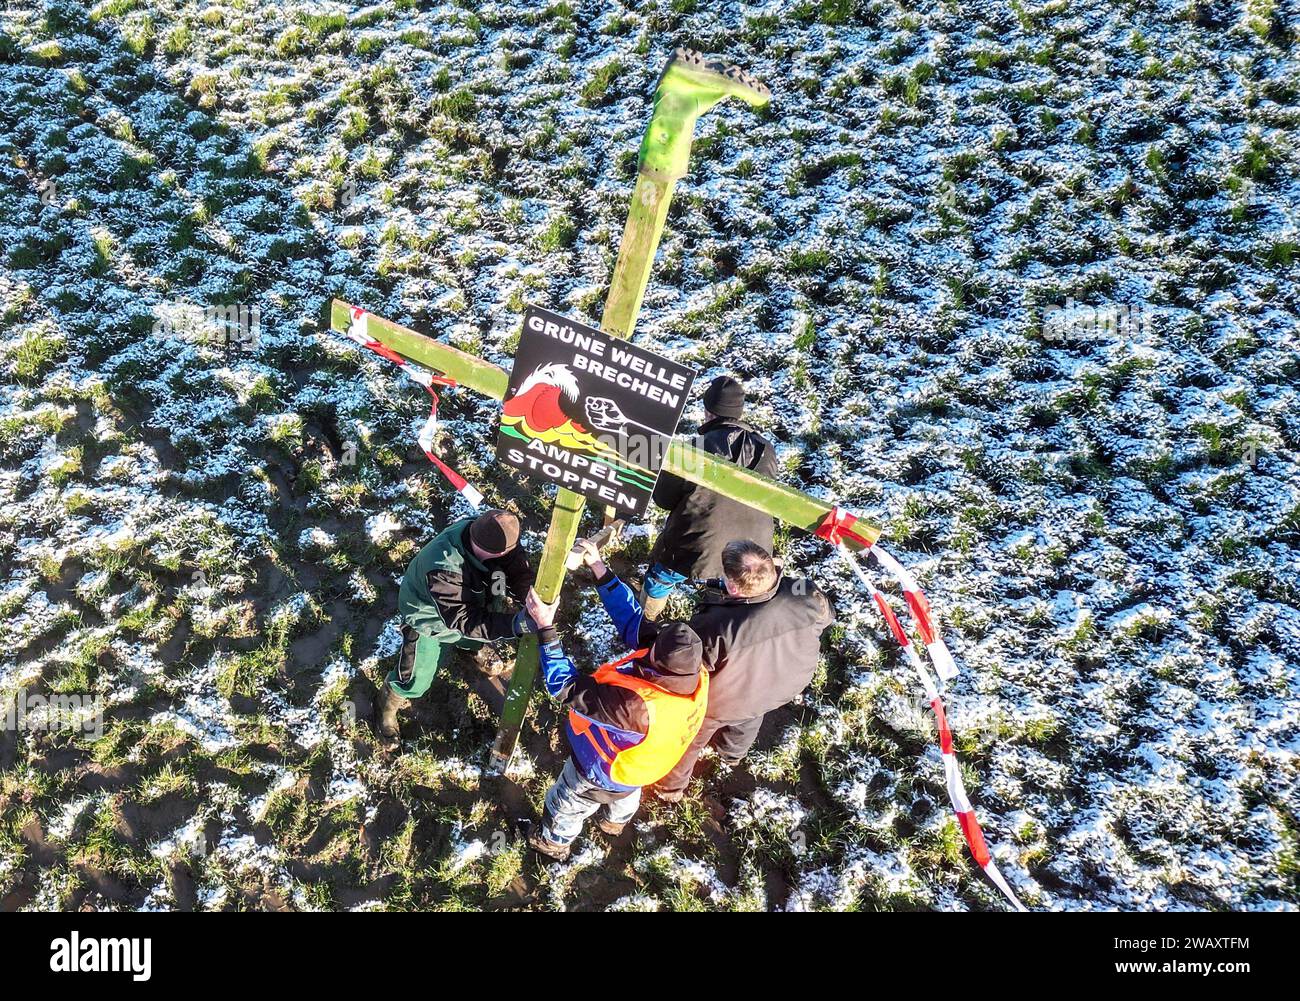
column 590, row 412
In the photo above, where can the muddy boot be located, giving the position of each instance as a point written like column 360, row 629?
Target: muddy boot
column 651, row 608
column 386, row 725
column 540, row 843
column 609, row 827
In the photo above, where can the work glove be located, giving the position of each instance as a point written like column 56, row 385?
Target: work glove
column 523, row 624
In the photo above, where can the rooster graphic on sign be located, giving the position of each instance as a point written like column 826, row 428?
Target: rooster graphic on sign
column 537, row 410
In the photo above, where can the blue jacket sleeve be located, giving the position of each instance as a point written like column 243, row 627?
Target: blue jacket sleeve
column 558, row 669
column 622, row 607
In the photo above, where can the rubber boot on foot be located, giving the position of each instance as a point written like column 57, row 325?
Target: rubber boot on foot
column 387, row 727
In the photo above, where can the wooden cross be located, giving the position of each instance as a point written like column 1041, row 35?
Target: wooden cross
column 690, row 85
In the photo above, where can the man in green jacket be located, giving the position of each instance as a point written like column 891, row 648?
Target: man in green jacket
column 453, row 595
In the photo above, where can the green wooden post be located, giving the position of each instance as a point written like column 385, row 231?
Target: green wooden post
column 689, row 86
column 794, row 507
column 645, row 225
column 681, row 459
column 468, row 370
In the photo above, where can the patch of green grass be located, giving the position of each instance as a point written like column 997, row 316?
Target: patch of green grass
column 1283, row 253
column 138, row 35
column 760, row 28
column 559, row 233
column 247, row 673
column 169, row 780
column 320, row 25
column 260, row 152
column 1155, row 161
column 806, row 260
column 48, row 52
column 69, row 465
column 459, row 105
column 112, row 8
column 77, row 502
column 939, row 848
column 834, row 11
column 596, row 90
column 1084, row 637
column 1288, row 861
column 139, row 618
column 1040, row 730
column 356, row 123
column 921, row 72
column 290, row 42
column 416, row 38
column 33, row 356
column 260, row 394
column 105, row 248
column 178, row 40
column 1256, row 158
column 286, row 432
column 506, row 864
column 369, row 45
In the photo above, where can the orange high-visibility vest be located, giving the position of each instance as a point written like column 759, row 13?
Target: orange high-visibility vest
column 673, row 719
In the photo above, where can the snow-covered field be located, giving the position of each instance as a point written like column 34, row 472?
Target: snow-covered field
column 1017, row 280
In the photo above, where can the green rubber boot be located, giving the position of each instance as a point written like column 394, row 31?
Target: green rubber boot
column 387, row 728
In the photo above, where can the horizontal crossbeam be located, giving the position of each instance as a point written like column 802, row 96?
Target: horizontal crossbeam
column 682, row 459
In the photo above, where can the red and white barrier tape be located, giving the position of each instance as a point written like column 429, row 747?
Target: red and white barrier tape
column 837, row 528
column 359, row 331
column 919, row 606
column 838, row 525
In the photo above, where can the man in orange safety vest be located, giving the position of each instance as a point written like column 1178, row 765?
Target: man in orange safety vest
column 628, row 724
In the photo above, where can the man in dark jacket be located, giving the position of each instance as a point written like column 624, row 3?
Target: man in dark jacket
column 762, row 638
column 627, row 723
column 700, row 522
column 453, row 595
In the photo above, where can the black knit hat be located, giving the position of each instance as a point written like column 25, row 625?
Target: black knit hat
column 496, row 532
column 677, row 650
column 725, row 397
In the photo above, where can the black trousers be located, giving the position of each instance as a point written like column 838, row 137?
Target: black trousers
column 732, row 737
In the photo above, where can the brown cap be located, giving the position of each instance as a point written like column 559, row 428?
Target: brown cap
column 495, row 532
